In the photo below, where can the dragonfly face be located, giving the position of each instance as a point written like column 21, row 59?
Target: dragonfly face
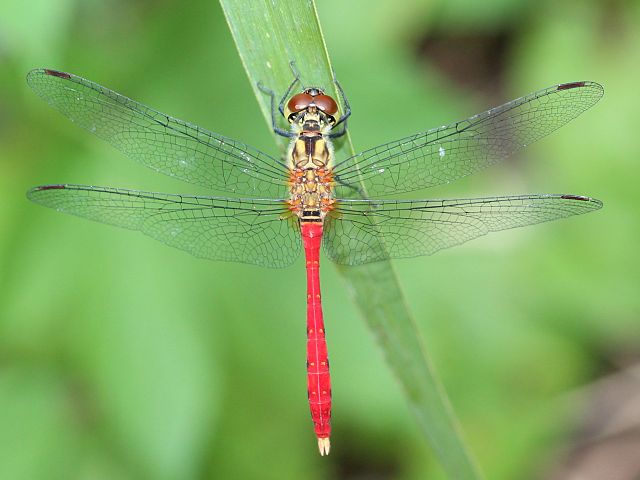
column 310, row 101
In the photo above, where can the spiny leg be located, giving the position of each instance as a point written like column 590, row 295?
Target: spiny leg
column 347, row 107
column 296, row 79
column 274, row 124
column 343, row 118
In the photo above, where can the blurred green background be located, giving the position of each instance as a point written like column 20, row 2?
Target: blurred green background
column 121, row 358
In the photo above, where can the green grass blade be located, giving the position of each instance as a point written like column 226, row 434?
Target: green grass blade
column 268, row 35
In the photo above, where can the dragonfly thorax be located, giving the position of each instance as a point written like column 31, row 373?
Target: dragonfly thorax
column 311, row 146
column 311, row 196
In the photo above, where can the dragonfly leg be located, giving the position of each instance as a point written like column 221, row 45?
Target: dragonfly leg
column 340, row 132
column 296, row 79
column 274, row 122
column 347, row 109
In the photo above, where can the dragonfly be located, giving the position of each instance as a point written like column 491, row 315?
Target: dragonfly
column 275, row 209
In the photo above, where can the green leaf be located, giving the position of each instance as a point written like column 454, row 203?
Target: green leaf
column 270, row 35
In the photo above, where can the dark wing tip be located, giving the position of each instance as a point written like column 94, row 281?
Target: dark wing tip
column 581, row 198
column 32, row 191
column 56, row 73
column 39, row 72
column 587, row 85
column 49, row 187
column 568, row 86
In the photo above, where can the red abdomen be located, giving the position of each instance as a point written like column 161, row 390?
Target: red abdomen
column 318, row 379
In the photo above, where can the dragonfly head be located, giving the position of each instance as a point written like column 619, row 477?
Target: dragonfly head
column 312, row 102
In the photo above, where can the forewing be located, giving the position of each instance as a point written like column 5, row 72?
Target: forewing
column 448, row 153
column 361, row 231
column 233, row 230
column 160, row 142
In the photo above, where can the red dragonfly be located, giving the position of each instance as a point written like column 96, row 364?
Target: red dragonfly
column 309, row 199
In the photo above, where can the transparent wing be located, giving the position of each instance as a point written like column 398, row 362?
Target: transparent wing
column 447, row 153
column 233, row 230
column 160, row 142
column 361, row 231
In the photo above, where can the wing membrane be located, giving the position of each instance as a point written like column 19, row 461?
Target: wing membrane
column 235, row 230
column 448, row 153
column 362, row 231
column 161, row 142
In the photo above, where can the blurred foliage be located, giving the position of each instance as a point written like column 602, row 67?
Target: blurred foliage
column 121, row 358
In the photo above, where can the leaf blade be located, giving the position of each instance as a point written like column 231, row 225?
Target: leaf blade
column 268, row 37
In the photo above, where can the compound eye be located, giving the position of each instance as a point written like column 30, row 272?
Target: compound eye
column 299, row 102
column 325, row 103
